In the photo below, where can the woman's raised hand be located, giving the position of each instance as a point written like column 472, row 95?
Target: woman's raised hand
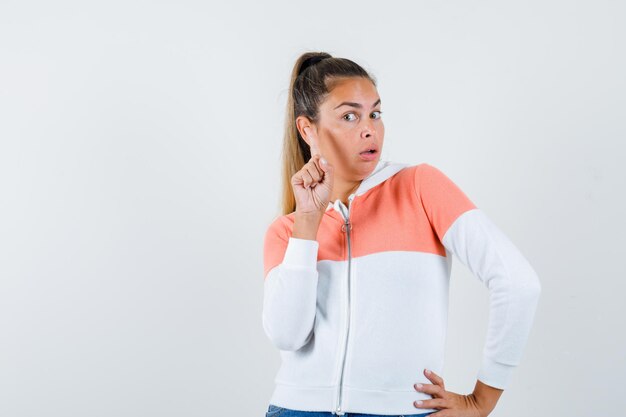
column 313, row 184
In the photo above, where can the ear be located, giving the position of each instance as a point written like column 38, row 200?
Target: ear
column 303, row 124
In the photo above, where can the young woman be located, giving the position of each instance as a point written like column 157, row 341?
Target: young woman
column 357, row 267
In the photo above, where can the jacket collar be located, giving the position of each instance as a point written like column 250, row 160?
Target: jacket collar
column 383, row 171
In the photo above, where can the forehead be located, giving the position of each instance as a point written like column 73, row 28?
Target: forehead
column 355, row 89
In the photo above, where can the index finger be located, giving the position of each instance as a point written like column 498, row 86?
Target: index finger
column 315, row 150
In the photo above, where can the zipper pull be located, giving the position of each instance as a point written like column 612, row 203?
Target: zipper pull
column 346, row 225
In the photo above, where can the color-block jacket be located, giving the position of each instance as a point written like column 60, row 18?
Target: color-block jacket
column 359, row 313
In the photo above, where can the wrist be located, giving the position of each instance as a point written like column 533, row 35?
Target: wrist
column 485, row 397
column 478, row 404
column 306, row 225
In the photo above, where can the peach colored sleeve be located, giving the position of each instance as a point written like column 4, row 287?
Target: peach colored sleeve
column 289, row 287
column 442, row 199
column 274, row 245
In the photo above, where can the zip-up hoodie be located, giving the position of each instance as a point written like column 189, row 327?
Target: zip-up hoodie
column 359, row 313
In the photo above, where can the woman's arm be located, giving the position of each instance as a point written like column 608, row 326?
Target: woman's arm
column 514, row 287
column 290, row 285
column 486, row 397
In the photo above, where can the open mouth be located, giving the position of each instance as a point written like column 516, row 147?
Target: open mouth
column 369, row 154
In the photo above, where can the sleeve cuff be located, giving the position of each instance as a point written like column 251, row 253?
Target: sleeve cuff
column 301, row 252
column 495, row 374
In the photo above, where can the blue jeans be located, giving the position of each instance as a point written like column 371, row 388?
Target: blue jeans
column 276, row 411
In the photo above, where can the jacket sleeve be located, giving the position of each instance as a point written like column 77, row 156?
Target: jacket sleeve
column 290, row 287
column 513, row 284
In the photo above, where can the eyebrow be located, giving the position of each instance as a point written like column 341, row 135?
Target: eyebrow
column 357, row 105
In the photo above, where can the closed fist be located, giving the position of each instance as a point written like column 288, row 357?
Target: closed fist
column 313, row 184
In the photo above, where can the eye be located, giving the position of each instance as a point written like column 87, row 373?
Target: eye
column 379, row 114
column 348, row 114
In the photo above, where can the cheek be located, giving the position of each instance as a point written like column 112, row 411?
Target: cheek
column 333, row 141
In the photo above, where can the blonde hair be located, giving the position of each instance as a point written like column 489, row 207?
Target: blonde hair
column 312, row 78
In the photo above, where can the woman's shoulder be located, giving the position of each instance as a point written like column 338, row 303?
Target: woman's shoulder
column 423, row 167
column 413, row 172
column 281, row 225
column 413, row 166
column 427, row 171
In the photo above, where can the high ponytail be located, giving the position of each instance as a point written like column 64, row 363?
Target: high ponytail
column 312, row 78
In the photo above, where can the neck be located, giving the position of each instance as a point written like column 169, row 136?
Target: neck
column 342, row 190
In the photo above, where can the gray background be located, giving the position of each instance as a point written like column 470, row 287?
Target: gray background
column 139, row 169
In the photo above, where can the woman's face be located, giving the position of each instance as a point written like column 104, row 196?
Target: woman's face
column 349, row 123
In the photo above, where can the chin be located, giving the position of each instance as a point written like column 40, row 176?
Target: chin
column 366, row 167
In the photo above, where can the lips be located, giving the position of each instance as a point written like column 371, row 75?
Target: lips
column 369, row 153
column 371, row 149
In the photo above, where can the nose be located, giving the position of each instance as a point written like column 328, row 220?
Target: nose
column 368, row 130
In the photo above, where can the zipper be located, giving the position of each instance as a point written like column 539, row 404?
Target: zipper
column 345, row 227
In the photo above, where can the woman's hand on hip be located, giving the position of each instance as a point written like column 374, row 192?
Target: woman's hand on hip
column 448, row 403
